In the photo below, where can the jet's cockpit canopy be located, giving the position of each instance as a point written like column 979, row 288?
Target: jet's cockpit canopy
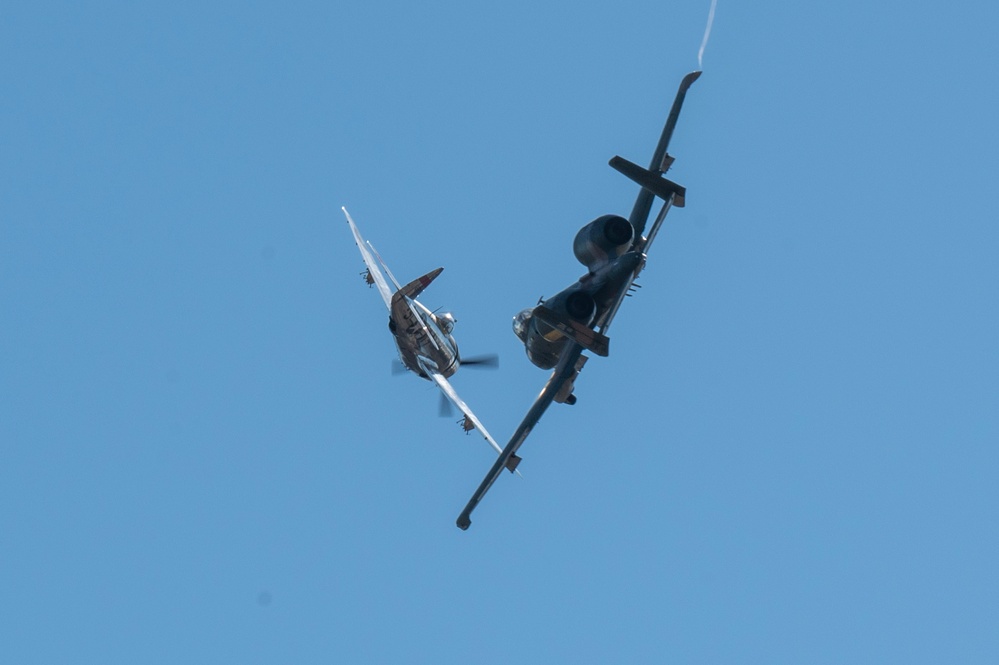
column 446, row 322
column 520, row 323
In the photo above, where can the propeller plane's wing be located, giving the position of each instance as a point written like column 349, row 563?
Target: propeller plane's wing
column 384, row 265
column 403, row 305
column 374, row 273
column 448, row 390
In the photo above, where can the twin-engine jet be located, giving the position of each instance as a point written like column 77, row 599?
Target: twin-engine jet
column 426, row 345
column 558, row 330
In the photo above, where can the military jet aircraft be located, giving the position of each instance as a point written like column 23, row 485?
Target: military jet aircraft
column 558, row 330
column 426, row 345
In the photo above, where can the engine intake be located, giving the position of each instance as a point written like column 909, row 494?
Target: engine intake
column 575, row 304
column 602, row 240
column 580, row 306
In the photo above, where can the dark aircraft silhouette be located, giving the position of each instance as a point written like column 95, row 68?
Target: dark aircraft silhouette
column 558, row 330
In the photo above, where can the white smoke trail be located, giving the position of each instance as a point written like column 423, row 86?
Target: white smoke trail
column 707, row 33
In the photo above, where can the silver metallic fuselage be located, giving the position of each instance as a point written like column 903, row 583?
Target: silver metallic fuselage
column 430, row 337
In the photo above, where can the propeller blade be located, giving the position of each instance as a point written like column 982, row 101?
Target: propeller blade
column 491, row 361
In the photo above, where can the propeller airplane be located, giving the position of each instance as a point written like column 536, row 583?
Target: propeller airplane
column 424, row 339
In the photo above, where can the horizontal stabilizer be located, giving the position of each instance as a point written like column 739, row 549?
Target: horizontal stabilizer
column 415, row 288
column 589, row 339
column 653, row 182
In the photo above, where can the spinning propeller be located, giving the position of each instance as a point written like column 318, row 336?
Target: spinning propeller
column 490, row 361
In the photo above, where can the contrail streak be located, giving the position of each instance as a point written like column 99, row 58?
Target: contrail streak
column 707, row 33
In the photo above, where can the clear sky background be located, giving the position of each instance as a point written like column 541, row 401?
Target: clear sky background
column 790, row 456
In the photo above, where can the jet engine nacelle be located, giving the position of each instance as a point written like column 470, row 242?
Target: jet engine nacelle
column 543, row 342
column 602, row 240
column 575, row 304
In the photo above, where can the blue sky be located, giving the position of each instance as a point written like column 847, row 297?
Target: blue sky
column 790, row 456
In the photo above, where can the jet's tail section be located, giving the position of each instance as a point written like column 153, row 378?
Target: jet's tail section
column 651, row 181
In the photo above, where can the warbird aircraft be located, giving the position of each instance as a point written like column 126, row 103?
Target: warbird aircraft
column 614, row 249
column 424, row 338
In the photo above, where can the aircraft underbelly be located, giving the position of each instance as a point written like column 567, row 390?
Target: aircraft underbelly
column 543, row 352
column 417, row 344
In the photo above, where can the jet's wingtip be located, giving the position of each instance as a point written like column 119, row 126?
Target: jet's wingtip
column 689, row 79
column 464, row 522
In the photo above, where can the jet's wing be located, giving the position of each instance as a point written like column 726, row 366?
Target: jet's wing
column 560, row 383
column 428, row 367
column 370, row 262
column 652, row 184
column 661, row 161
column 564, row 372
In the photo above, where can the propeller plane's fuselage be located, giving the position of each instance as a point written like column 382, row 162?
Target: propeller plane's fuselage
column 429, row 338
column 423, row 338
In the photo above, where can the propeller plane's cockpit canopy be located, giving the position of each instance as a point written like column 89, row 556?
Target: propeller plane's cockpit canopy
column 446, row 321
